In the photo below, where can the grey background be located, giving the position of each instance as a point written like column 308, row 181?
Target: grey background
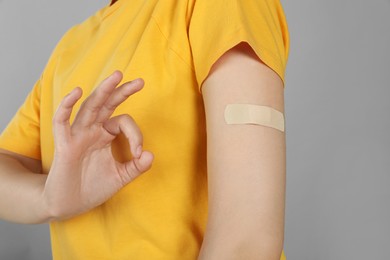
column 337, row 102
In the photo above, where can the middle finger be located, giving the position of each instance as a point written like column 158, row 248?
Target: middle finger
column 119, row 95
column 91, row 106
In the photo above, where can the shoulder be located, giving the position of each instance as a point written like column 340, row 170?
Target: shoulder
column 217, row 26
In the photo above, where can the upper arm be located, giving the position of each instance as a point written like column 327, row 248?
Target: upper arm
column 246, row 163
column 33, row 165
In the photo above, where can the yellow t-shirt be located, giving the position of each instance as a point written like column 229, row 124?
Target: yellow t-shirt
column 171, row 44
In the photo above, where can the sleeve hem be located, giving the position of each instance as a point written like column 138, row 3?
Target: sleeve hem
column 19, row 150
column 263, row 53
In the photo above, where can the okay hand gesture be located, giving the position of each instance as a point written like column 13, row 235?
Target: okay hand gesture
column 84, row 173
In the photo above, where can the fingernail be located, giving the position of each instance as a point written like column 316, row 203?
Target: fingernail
column 138, row 80
column 115, row 72
column 112, row 74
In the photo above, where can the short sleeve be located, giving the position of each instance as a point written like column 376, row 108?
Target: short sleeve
column 219, row 25
column 22, row 134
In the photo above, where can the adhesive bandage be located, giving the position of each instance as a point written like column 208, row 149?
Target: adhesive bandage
column 254, row 114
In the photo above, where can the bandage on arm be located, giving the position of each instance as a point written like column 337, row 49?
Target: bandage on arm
column 254, row 114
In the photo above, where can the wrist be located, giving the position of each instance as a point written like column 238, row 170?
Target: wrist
column 45, row 210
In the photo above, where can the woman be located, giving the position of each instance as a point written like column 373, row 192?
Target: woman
column 81, row 158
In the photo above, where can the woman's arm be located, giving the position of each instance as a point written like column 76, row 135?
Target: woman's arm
column 21, row 189
column 84, row 173
column 246, row 163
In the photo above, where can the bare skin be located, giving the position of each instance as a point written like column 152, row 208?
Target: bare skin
column 246, row 163
column 84, row 173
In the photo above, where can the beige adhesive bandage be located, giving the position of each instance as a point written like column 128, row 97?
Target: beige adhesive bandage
column 254, row 114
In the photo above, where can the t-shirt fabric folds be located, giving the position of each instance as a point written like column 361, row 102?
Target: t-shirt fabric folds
column 172, row 45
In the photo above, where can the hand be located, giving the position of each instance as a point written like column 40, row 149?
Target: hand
column 84, row 173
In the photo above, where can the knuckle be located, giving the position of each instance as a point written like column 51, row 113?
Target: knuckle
column 132, row 171
column 123, row 95
column 103, row 91
column 105, row 88
column 110, row 107
column 88, row 104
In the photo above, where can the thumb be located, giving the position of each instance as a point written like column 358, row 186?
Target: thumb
column 137, row 166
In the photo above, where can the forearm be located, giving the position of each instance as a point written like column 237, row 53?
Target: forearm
column 21, row 193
